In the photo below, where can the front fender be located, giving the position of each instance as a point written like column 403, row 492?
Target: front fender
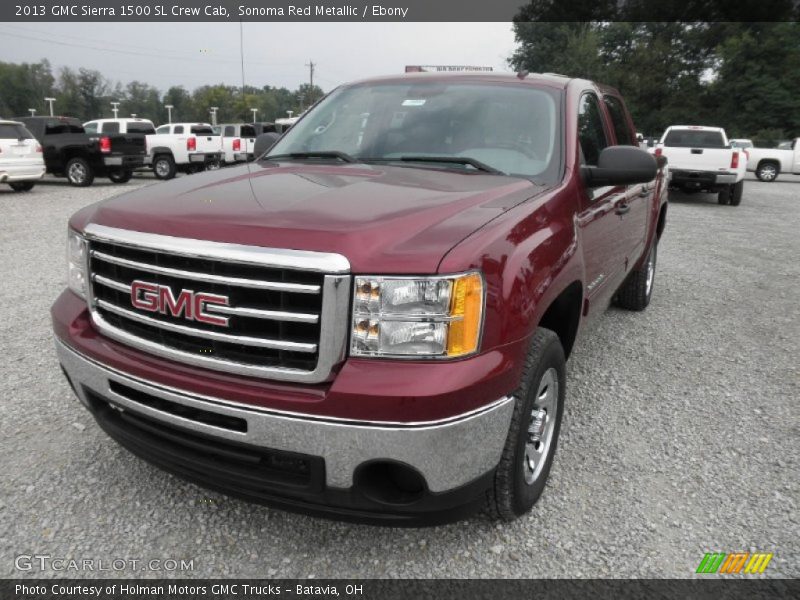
column 528, row 256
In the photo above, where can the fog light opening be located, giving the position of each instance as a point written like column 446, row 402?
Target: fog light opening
column 389, row 482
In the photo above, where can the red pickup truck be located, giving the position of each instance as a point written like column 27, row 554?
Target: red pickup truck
column 372, row 320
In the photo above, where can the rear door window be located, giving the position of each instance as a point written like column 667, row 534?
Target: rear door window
column 178, row 129
column 111, row 127
column 229, row 131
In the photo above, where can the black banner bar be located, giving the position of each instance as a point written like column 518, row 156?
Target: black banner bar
column 397, row 10
column 383, row 589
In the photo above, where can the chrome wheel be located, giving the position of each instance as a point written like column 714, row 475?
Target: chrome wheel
column 651, row 272
column 768, row 173
column 162, row 168
column 541, row 426
column 77, row 172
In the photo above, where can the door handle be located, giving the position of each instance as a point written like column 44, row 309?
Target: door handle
column 622, row 208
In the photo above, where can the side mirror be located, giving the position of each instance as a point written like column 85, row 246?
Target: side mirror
column 621, row 165
column 264, row 142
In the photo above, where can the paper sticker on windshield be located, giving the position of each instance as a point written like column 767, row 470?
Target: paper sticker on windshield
column 414, row 102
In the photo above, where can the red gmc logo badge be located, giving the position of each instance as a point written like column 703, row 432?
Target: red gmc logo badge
column 190, row 305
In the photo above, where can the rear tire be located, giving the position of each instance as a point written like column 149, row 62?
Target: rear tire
column 533, row 435
column 724, row 195
column 736, row 193
column 767, row 171
column 22, row 186
column 120, row 176
column 164, row 166
column 78, row 172
column 637, row 290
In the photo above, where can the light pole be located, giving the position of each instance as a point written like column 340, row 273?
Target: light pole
column 255, row 114
column 133, row 115
column 115, row 108
column 169, row 108
column 50, row 100
column 213, row 110
column 32, row 111
column 290, row 113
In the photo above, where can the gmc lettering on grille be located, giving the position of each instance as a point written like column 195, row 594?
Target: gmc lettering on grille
column 190, row 305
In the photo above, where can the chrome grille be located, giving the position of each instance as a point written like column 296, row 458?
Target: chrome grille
column 286, row 315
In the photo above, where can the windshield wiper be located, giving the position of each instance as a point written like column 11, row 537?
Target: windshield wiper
column 458, row 160
column 342, row 156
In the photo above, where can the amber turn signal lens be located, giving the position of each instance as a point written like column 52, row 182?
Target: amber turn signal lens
column 466, row 309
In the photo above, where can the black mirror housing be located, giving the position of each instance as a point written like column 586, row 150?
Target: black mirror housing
column 264, row 142
column 621, row 165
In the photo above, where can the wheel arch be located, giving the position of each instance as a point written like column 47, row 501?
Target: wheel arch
column 563, row 315
column 769, row 161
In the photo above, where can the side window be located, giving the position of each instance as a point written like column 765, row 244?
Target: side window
column 163, row 129
column 90, row 127
column 111, row 127
column 618, row 120
column 229, row 131
column 248, row 131
column 591, row 132
column 178, row 129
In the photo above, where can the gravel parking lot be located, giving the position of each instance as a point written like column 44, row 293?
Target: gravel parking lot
column 680, row 436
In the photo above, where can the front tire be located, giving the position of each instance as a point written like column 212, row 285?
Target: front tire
column 533, row 435
column 120, row 176
column 637, row 290
column 22, row 186
column 79, row 173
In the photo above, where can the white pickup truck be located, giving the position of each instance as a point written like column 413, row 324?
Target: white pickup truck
column 768, row 163
column 238, row 140
column 702, row 160
column 186, row 147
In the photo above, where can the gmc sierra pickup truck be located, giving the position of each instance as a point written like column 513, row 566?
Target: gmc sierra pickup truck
column 371, row 320
column 186, row 147
column 71, row 152
column 701, row 159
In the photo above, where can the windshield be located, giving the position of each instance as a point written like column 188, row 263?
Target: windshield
column 511, row 128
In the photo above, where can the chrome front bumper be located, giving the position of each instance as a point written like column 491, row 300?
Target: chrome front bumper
column 449, row 453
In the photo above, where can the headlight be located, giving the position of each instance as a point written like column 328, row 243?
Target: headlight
column 76, row 263
column 435, row 317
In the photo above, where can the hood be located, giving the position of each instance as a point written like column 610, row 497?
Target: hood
column 383, row 219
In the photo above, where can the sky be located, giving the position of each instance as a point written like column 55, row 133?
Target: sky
column 276, row 54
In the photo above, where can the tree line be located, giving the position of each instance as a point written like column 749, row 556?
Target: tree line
column 87, row 94
column 744, row 77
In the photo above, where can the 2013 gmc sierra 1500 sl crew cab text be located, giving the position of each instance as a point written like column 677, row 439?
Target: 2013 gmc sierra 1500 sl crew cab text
column 371, row 321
